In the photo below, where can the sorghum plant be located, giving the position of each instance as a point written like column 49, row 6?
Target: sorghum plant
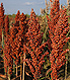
column 1, row 21
column 7, row 49
column 17, row 18
column 58, row 28
column 17, row 32
column 34, row 47
column 23, row 31
column 8, row 61
column 6, row 25
column 14, row 41
column 2, row 16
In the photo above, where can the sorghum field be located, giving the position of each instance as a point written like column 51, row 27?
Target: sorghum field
column 35, row 47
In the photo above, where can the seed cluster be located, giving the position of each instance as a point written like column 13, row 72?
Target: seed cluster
column 58, row 28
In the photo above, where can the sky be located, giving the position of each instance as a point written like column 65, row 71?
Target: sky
column 12, row 6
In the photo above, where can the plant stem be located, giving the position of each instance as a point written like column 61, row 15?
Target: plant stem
column 21, row 68
column 24, row 67
column 14, row 66
column 16, row 69
column 66, row 67
column 8, row 74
